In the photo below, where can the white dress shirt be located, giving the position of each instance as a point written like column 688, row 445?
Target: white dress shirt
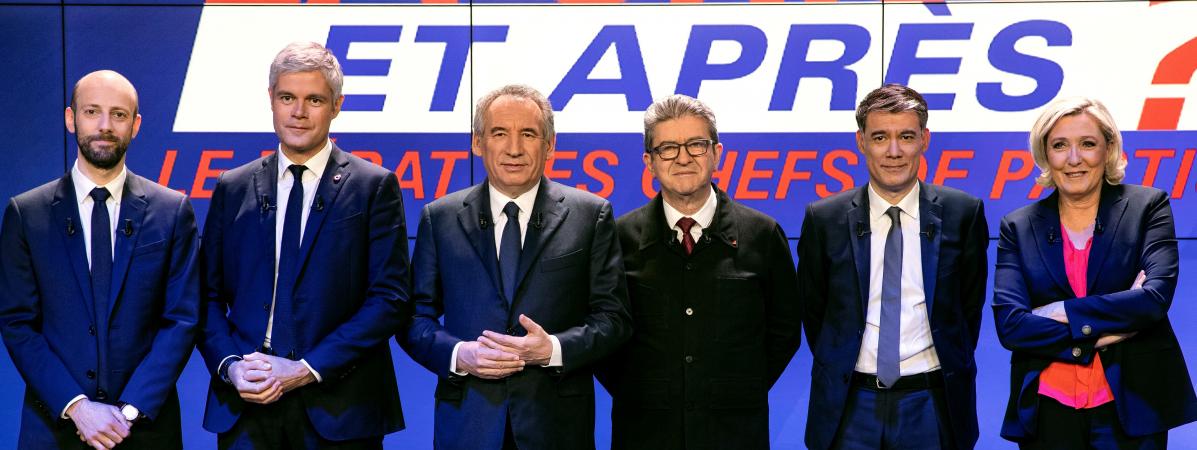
column 703, row 217
column 83, row 187
column 311, row 180
column 525, row 202
column 916, row 350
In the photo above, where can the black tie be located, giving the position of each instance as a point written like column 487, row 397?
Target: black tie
column 509, row 250
column 101, row 252
column 281, row 339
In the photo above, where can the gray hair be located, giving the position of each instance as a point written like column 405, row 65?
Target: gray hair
column 892, row 98
column 1071, row 106
column 308, row 57
column 675, row 107
column 522, row 92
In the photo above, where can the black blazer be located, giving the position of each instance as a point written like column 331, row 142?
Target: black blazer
column 47, row 310
column 569, row 281
column 713, row 330
column 833, row 275
column 1147, row 373
column 351, row 291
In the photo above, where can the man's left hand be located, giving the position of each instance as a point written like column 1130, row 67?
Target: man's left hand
column 290, row 374
column 535, row 348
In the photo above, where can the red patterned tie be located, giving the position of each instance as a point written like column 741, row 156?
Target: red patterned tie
column 685, row 224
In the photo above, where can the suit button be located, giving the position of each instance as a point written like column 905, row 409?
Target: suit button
column 689, row 359
column 91, row 374
column 689, row 311
column 91, row 330
column 266, row 307
column 1076, row 352
column 511, row 331
column 101, row 395
column 689, row 266
column 1086, row 330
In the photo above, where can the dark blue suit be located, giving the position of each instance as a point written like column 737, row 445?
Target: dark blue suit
column 47, row 310
column 350, row 292
column 1147, row 374
column 571, row 283
column 833, row 277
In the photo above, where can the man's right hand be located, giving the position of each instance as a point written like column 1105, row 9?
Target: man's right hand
column 485, row 362
column 253, row 381
column 100, row 426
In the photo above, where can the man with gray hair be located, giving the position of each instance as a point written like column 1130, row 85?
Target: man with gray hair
column 892, row 275
column 527, row 277
column 304, row 262
column 715, row 303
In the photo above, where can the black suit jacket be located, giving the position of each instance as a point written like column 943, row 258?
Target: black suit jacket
column 713, row 330
column 1147, row 373
column 350, row 296
column 833, row 273
column 570, row 282
column 47, row 310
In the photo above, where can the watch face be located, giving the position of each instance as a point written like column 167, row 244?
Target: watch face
column 129, row 412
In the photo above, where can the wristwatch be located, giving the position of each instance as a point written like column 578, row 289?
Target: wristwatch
column 130, row 412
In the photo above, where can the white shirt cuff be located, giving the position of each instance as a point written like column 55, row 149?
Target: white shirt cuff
column 72, row 402
column 555, row 358
column 453, row 361
column 314, row 372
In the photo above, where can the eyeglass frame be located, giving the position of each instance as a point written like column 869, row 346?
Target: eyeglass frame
column 709, row 145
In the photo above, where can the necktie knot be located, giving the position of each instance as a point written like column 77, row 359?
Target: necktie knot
column 894, row 214
column 100, row 195
column 511, row 210
column 686, row 223
column 297, row 171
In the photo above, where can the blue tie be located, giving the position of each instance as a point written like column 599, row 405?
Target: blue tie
column 509, row 250
column 888, row 342
column 101, row 252
column 281, row 340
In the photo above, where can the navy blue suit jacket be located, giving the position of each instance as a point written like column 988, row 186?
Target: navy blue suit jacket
column 571, row 283
column 350, row 292
column 47, row 309
column 833, row 279
column 1147, row 374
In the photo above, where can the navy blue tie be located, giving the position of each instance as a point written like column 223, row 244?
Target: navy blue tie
column 281, row 339
column 889, row 339
column 101, row 252
column 509, row 250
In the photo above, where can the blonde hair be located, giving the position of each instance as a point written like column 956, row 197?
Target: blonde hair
column 1115, row 164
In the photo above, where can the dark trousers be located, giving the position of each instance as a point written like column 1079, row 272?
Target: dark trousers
column 283, row 425
column 1065, row 428
column 893, row 419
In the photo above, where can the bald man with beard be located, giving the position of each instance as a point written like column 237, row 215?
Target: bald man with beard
column 99, row 289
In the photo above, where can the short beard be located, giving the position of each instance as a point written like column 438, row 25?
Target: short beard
column 101, row 159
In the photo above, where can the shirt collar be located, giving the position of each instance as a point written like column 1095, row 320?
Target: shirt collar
column 525, row 201
column 315, row 164
column 703, row 216
column 84, row 185
column 908, row 204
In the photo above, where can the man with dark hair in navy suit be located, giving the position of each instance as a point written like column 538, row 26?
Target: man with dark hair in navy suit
column 893, row 277
column 98, row 288
column 304, row 280
column 527, row 275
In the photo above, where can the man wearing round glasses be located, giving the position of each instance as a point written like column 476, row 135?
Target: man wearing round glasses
column 714, row 301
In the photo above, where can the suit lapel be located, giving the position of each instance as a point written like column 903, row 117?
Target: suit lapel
column 476, row 222
column 266, row 188
column 1109, row 216
column 547, row 215
column 65, row 209
column 858, row 232
column 930, row 219
column 130, row 216
column 336, row 174
column 1049, row 240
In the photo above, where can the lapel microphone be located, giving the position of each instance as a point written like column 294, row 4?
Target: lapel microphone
column 1052, row 237
column 128, row 229
column 319, row 206
column 483, row 221
column 861, row 230
column 1097, row 227
column 929, row 233
column 538, row 221
column 70, row 229
column 266, row 206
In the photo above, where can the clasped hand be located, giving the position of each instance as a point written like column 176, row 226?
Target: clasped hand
column 494, row 355
column 263, row 379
